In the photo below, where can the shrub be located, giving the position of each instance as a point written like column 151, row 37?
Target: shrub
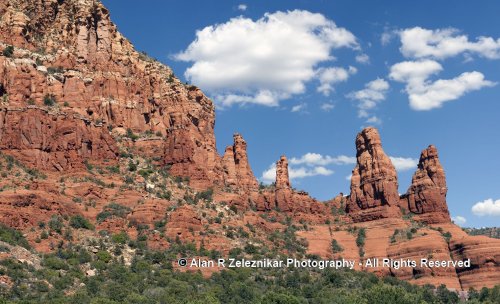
column 111, row 210
column 447, row 236
column 132, row 166
column 360, row 240
column 8, row 51
column 53, row 70
column 55, row 263
column 104, row 256
column 13, row 237
column 49, row 100
column 79, row 221
column 336, row 246
column 205, row 195
column 130, row 134
column 56, row 224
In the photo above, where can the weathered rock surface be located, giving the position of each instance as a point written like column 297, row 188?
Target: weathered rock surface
column 284, row 195
column 183, row 223
column 426, row 196
column 53, row 140
column 26, row 208
column 237, row 171
column 71, row 52
column 374, row 183
column 76, row 90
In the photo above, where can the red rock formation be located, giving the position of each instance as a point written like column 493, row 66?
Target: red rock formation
column 426, row 196
column 237, row 171
column 53, row 140
column 285, row 199
column 484, row 254
column 282, row 177
column 183, row 223
column 283, row 193
column 27, row 208
column 72, row 51
column 149, row 212
column 374, row 184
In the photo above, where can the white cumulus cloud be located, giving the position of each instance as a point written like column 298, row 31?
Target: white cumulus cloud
column 424, row 94
column 362, row 58
column 299, row 108
column 262, row 61
column 313, row 159
column 242, row 7
column 327, row 107
column 330, row 76
column 308, row 165
column 459, row 220
column 368, row 98
column 487, row 207
column 404, row 163
column 418, row 42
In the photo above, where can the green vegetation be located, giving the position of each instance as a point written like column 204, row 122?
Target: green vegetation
column 8, row 51
column 205, row 195
column 13, row 237
column 111, row 210
column 150, row 278
column 49, row 100
column 56, row 224
column 53, row 70
column 493, row 232
column 79, row 221
column 336, row 246
column 130, row 134
column 360, row 241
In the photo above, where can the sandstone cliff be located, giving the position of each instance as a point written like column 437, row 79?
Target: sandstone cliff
column 91, row 127
column 70, row 59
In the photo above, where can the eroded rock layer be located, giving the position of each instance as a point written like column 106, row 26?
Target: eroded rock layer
column 374, row 183
column 426, row 196
column 68, row 56
column 237, row 171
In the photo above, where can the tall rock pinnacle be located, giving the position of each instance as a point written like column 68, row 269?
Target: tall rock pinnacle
column 426, row 195
column 374, row 183
column 237, row 170
column 282, row 178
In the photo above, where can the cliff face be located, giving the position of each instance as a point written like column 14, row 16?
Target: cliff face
column 111, row 130
column 374, row 183
column 70, row 59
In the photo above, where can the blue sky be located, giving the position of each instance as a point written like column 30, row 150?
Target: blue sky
column 301, row 78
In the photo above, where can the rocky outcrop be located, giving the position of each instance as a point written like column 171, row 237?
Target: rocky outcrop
column 27, row 208
column 426, row 196
column 284, row 198
column 374, row 183
column 237, row 171
column 283, row 193
column 282, row 177
column 53, row 140
column 71, row 53
column 74, row 89
column 484, row 254
column 183, row 223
